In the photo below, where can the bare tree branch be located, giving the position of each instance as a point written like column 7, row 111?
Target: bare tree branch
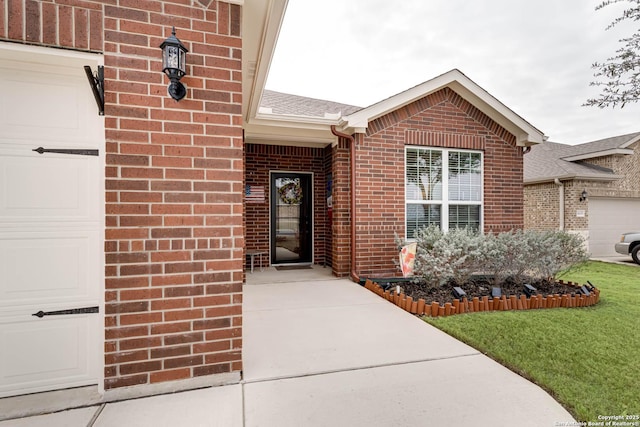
column 619, row 76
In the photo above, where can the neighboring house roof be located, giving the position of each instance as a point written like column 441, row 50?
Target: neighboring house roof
column 293, row 105
column 551, row 160
column 603, row 147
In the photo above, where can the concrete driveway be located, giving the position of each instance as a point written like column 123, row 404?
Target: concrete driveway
column 330, row 353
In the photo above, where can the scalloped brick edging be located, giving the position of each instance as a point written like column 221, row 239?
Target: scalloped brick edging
column 477, row 304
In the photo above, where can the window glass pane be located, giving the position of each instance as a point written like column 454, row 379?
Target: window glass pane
column 465, row 183
column 421, row 216
column 423, row 175
column 461, row 216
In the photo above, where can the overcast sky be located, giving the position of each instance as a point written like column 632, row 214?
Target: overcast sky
column 533, row 56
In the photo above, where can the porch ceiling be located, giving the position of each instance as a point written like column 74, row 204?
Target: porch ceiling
column 289, row 131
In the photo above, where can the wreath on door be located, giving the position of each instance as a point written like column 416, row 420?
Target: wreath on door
column 291, row 193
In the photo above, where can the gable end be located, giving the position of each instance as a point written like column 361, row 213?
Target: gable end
column 445, row 95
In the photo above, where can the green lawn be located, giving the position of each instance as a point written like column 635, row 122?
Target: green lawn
column 587, row 358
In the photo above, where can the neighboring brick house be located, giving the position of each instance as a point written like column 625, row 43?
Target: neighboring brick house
column 129, row 231
column 447, row 134
column 558, row 177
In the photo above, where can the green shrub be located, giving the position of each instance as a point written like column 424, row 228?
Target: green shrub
column 518, row 255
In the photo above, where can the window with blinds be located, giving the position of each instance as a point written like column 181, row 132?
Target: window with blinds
column 443, row 187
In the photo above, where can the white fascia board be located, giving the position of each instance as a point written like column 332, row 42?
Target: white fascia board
column 630, row 142
column 265, row 19
column 611, row 152
column 600, row 178
column 293, row 120
column 542, row 180
column 524, row 132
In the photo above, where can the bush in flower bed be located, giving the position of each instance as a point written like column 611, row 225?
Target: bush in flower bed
column 451, row 258
column 524, row 265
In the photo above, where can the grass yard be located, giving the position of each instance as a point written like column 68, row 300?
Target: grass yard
column 586, row 358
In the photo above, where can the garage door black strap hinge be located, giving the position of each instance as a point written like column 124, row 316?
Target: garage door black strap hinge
column 77, row 152
column 96, row 81
column 84, row 310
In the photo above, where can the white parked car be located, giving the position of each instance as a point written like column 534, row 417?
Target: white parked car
column 630, row 244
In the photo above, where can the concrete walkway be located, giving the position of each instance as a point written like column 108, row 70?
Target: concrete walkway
column 327, row 352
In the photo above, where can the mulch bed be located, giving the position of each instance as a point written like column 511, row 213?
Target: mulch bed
column 480, row 288
column 440, row 301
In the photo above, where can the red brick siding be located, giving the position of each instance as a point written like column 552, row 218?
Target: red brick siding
column 76, row 24
column 442, row 119
column 174, row 234
column 328, row 236
column 174, row 237
column 260, row 160
column 341, row 223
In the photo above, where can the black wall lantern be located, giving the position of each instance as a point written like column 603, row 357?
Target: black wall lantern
column 174, row 64
column 583, row 196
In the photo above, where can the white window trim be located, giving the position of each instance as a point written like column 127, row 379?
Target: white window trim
column 445, row 202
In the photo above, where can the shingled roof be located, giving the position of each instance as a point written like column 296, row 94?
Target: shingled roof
column 294, row 105
column 551, row 160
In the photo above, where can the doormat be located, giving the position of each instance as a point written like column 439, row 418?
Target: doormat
column 293, row 267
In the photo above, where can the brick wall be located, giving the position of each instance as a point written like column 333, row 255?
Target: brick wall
column 174, row 179
column 328, row 235
column 260, row 160
column 542, row 204
column 572, row 192
column 76, row 24
column 341, row 223
column 174, row 238
column 442, row 119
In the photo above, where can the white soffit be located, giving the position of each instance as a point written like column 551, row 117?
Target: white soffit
column 525, row 133
column 261, row 22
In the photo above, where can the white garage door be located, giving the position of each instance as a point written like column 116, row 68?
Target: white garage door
column 51, row 222
column 608, row 219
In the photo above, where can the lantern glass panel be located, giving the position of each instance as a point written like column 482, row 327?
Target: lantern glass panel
column 181, row 62
column 172, row 59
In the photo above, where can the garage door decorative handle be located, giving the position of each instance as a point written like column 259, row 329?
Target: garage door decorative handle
column 84, row 310
column 77, row 152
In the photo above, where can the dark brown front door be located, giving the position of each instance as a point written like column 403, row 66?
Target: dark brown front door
column 291, row 218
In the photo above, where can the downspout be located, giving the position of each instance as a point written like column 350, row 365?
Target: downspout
column 352, row 155
column 561, row 201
